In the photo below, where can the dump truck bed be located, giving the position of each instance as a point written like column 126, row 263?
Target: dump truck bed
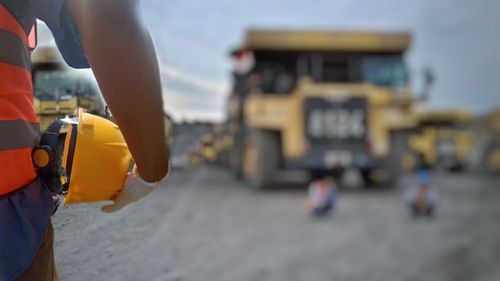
column 327, row 40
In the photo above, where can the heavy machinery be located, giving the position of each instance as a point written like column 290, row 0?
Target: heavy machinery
column 213, row 147
column 58, row 89
column 485, row 156
column 223, row 142
column 314, row 100
column 208, row 151
column 440, row 139
column 223, row 145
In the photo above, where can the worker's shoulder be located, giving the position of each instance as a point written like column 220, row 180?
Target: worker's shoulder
column 21, row 10
column 28, row 10
column 46, row 10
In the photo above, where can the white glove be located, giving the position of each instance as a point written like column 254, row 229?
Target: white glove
column 135, row 188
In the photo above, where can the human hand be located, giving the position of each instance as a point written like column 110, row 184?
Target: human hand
column 135, row 189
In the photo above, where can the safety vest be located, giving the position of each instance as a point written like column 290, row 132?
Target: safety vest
column 19, row 129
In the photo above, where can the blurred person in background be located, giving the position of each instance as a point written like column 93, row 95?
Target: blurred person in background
column 422, row 197
column 87, row 33
column 322, row 194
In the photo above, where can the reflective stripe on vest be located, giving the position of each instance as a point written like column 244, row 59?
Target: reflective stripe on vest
column 19, row 131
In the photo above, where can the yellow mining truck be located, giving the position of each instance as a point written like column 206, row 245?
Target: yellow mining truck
column 485, row 154
column 315, row 100
column 441, row 139
column 58, row 90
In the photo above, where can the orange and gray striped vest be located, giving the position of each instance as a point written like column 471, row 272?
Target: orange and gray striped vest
column 19, row 129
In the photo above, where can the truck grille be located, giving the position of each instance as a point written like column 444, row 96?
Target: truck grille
column 341, row 121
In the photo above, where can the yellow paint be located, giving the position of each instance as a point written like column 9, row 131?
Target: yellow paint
column 50, row 110
column 455, row 116
column 494, row 160
column 427, row 142
column 228, row 141
column 425, row 145
column 464, row 141
column 326, row 41
column 209, row 153
column 194, row 158
column 250, row 160
column 68, row 105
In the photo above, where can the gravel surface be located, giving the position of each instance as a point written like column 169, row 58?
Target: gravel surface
column 207, row 226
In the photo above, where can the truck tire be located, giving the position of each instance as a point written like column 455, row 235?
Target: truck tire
column 394, row 163
column 236, row 156
column 367, row 179
column 261, row 158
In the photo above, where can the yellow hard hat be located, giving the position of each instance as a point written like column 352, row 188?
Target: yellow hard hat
column 83, row 157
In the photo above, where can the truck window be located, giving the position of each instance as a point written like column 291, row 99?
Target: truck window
column 381, row 70
column 337, row 69
column 54, row 85
column 276, row 71
column 329, row 67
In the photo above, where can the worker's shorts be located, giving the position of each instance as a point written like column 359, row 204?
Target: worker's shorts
column 43, row 267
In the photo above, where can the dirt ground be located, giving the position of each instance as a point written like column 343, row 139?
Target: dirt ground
column 206, row 226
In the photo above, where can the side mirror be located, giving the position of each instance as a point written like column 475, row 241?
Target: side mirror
column 429, row 79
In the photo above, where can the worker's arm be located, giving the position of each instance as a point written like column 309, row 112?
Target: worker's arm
column 122, row 56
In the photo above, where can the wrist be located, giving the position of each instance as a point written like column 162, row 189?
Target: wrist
column 153, row 171
column 153, row 183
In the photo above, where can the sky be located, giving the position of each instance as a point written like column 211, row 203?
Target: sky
column 458, row 39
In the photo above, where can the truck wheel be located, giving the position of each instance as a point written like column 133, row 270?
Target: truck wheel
column 367, row 179
column 395, row 164
column 235, row 162
column 261, row 158
column 235, row 156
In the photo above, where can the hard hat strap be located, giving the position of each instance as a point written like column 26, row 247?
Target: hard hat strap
column 70, row 153
column 53, row 175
